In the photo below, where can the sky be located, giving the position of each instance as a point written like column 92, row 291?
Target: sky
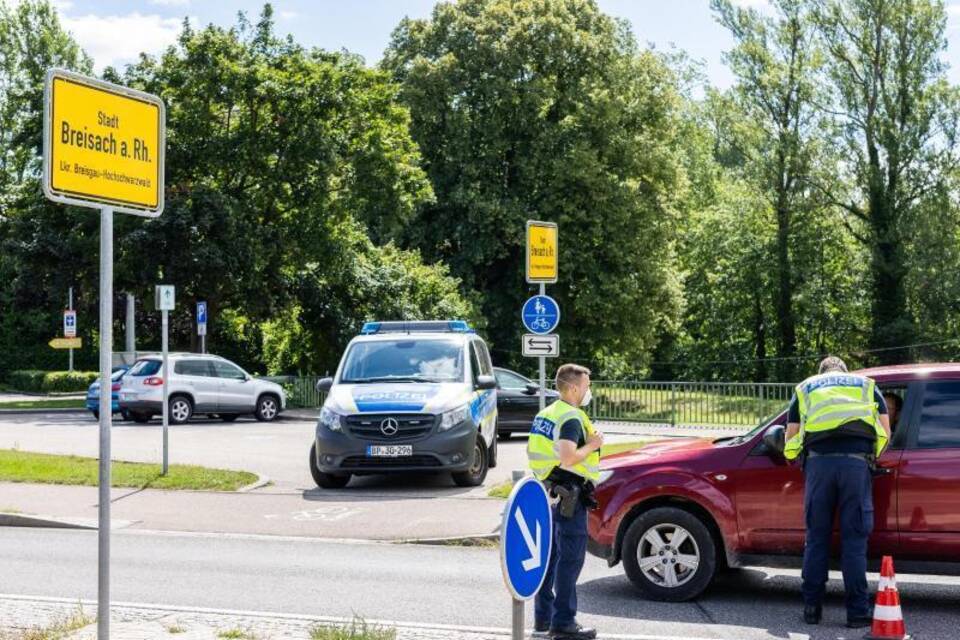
column 114, row 32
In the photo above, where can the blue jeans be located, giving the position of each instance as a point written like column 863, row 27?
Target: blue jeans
column 556, row 602
column 834, row 483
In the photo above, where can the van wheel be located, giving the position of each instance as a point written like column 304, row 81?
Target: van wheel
column 325, row 480
column 180, row 410
column 669, row 555
column 96, row 415
column 477, row 473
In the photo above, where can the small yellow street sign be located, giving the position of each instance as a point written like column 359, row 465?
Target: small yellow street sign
column 103, row 145
column 66, row 343
column 542, row 251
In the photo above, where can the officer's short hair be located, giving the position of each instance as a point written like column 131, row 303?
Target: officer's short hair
column 832, row 363
column 568, row 375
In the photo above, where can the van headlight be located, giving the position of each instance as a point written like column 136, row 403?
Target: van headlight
column 454, row 417
column 330, row 419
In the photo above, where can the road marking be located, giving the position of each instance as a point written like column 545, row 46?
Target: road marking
column 320, row 514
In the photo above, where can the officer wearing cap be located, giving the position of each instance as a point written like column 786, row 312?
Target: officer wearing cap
column 837, row 426
column 564, row 452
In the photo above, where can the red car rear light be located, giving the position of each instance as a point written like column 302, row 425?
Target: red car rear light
column 115, row 386
column 153, row 381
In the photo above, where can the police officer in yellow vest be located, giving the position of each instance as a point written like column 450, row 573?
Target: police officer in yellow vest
column 564, row 452
column 837, row 426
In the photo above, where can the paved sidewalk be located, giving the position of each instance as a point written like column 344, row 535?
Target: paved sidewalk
column 139, row 622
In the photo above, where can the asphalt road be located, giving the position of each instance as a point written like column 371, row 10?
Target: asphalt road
column 414, row 583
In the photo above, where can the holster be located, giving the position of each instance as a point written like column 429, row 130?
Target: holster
column 569, row 495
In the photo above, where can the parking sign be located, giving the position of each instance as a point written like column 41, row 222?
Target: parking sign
column 70, row 324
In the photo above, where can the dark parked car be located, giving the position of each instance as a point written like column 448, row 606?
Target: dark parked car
column 676, row 512
column 93, row 393
column 518, row 401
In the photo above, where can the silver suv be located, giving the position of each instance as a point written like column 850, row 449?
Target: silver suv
column 199, row 384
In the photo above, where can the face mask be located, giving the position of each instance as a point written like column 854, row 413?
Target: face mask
column 586, row 398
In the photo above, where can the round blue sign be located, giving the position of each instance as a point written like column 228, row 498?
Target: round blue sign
column 526, row 537
column 541, row 314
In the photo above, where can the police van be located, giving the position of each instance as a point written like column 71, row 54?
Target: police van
column 408, row 396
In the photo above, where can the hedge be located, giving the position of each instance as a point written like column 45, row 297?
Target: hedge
column 51, row 381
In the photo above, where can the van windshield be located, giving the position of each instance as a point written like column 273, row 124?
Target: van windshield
column 404, row 360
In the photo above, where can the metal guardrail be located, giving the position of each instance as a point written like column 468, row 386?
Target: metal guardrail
column 703, row 404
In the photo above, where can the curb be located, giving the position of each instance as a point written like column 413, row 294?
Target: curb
column 41, row 522
column 260, row 482
column 445, row 629
column 27, row 411
column 455, row 541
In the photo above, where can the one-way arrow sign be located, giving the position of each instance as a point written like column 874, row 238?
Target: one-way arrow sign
column 537, row 346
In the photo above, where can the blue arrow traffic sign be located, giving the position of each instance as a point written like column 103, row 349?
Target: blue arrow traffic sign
column 526, row 536
column 541, row 314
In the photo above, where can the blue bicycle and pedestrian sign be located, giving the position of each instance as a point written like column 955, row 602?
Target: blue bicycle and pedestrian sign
column 541, row 314
column 526, row 536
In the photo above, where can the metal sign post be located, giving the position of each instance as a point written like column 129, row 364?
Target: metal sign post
column 202, row 325
column 103, row 148
column 106, row 421
column 526, row 537
column 70, row 324
column 165, row 301
column 543, row 362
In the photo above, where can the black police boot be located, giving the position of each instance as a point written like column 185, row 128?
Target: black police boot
column 858, row 622
column 573, row 632
column 812, row 614
column 541, row 627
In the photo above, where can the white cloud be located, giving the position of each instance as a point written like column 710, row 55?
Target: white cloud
column 117, row 40
column 288, row 15
column 171, row 3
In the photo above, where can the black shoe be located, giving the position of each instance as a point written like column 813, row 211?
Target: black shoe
column 541, row 627
column 812, row 614
column 573, row 632
column 858, row 622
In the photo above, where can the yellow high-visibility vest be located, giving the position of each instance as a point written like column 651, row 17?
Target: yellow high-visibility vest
column 831, row 400
column 543, row 445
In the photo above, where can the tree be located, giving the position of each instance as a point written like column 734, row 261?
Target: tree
column 775, row 61
column 547, row 109
column 895, row 118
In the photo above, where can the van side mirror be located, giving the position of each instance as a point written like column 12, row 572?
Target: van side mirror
column 324, row 385
column 486, row 382
column 775, row 438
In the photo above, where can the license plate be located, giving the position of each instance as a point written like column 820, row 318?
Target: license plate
column 389, row 451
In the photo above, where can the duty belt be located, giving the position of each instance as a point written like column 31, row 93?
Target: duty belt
column 859, row 456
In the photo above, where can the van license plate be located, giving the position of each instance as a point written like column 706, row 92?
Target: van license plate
column 389, row 451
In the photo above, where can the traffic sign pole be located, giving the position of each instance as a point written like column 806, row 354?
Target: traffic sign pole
column 543, row 364
column 166, row 389
column 106, row 422
column 70, row 307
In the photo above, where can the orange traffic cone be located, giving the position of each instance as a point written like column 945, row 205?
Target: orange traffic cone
column 887, row 615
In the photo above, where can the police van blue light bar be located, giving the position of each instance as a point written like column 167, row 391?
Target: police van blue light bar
column 416, row 326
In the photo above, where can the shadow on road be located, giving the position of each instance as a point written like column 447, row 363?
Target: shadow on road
column 752, row 598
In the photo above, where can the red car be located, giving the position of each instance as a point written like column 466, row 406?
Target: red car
column 678, row 511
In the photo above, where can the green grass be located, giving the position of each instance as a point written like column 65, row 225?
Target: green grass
column 236, row 634
column 356, row 630
column 501, row 490
column 176, row 628
column 46, row 403
column 23, row 466
column 56, row 630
